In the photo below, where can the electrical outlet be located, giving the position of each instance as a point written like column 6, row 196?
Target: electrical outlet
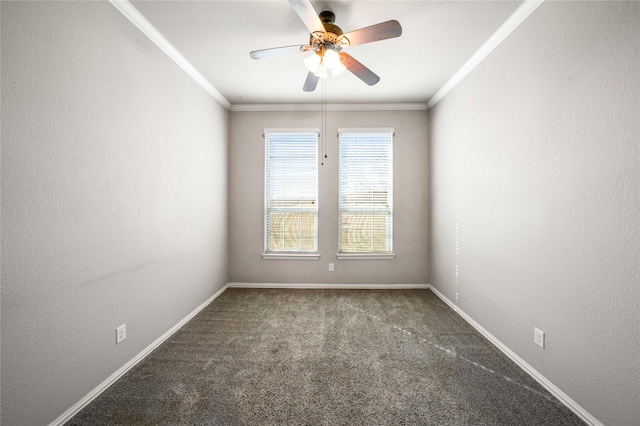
column 121, row 333
column 538, row 337
column 331, row 267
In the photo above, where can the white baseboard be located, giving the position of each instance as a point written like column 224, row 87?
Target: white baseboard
column 553, row 389
column 75, row 408
column 331, row 286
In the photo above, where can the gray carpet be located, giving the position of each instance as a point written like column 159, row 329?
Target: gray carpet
column 326, row 357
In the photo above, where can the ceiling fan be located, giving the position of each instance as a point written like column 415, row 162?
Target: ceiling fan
column 326, row 43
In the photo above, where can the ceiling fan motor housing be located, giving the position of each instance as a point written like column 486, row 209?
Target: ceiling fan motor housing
column 332, row 38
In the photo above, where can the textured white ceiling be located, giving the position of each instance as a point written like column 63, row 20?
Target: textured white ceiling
column 216, row 37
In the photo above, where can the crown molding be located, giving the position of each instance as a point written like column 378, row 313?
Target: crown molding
column 330, row 107
column 133, row 15
column 521, row 13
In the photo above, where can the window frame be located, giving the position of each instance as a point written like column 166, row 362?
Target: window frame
column 362, row 255
column 268, row 167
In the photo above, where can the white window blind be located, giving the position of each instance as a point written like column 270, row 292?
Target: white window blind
column 291, row 191
column 366, row 191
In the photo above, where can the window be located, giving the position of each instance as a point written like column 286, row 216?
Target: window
column 366, row 193
column 291, row 192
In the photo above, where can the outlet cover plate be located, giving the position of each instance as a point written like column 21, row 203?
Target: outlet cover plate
column 538, row 337
column 121, row 333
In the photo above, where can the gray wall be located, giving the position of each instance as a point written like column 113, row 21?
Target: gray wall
column 114, row 200
column 535, row 201
column 411, row 209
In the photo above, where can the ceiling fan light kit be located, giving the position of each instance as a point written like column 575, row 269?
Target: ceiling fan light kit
column 325, row 65
column 326, row 43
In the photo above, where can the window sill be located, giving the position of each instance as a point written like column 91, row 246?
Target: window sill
column 290, row 256
column 365, row 256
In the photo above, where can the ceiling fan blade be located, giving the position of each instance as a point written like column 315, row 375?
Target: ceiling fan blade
column 381, row 31
column 360, row 71
column 308, row 14
column 311, row 82
column 277, row 51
